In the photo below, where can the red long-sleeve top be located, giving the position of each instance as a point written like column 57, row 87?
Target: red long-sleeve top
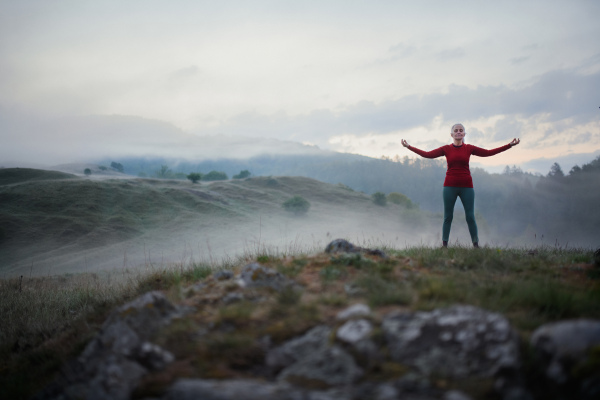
column 458, row 173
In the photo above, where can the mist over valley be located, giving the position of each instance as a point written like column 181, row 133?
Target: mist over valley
column 56, row 222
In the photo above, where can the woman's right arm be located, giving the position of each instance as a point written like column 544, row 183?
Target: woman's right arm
column 427, row 154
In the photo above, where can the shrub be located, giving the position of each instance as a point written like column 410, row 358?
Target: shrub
column 194, row 176
column 379, row 198
column 102, row 168
column 215, row 176
column 87, row 171
column 401, row 199
column 297, row 205
column 117, row 166
column 243, row 174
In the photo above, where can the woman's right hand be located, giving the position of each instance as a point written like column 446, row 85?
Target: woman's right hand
column 404, row 143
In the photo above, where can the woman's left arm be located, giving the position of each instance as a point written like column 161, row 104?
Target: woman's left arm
column 478, row 151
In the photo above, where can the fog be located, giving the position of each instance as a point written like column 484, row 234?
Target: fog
column 221, row 241
column 31, row 140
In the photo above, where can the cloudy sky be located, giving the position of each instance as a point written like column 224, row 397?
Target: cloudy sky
column 350, row 76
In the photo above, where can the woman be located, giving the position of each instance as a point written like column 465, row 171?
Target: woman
column 458, row 181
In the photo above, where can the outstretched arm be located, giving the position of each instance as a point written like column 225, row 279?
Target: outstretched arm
column 478, row 151
column 427, row 154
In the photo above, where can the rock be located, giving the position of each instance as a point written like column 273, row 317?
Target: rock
column 456, row 342
column 230, row 298
column 296, row 349
column 354, row 311
column 223, row 275
column 311, row 358
column 145, row 315
column 568, row 353
column 255, row 275
column 354, row 331
column 153, row 357
column 331, row 366
column 455, row 395
column 113, row 363
column 341, row 246
column 385, row 392
column 344, row 246
column 244, row 389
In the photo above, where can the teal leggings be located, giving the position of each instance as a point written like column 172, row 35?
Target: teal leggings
column 467, row 197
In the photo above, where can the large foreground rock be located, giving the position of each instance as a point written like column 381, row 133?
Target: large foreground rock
column 240, row 389
column 113, row 363
column 455, row 342
column 313, row 358
column 568, row 355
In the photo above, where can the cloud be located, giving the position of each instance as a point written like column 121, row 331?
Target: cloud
column 401, row 51
column 519, row 60
column 184, row 73
column 506, row 129
column 450, row 54
column 553, row 97
column 28, row 138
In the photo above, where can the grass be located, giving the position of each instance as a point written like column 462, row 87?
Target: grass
column 48, row 320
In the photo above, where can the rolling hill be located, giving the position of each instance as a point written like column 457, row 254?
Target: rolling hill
column 52, row 222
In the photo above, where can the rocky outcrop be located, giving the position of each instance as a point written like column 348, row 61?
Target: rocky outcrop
column 344, row 246
column 114, row 362
column 568, row 355
column 343, row 356
column 194, row 389
column 457, row 342
column 255, row 275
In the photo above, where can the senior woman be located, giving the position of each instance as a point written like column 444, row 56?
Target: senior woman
column 458, row 181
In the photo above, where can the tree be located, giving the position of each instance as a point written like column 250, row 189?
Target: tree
column 194, row 176
column 117, row 166
column 575, row 170
column 243, row 174
column 87, row 171
column 297, row 205
column 401, row 199
column 164, row 172
column 215, row 176
column 379, row 198
column 556, row 171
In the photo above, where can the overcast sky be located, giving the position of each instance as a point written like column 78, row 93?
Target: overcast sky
column 350, row 76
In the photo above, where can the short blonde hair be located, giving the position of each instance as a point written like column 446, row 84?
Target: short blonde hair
column 455, row 125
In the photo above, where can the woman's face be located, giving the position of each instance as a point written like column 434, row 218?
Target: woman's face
column 458, row 132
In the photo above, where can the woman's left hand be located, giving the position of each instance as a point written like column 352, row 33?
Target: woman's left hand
column 515, row 142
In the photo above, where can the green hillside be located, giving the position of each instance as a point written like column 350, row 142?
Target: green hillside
column 9, row 176
column 51, row 223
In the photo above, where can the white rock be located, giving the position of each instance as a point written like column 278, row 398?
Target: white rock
column 354, row 331
column 356, row 310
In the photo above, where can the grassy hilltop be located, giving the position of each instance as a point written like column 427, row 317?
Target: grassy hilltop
column 53, row 222
column 47, row 318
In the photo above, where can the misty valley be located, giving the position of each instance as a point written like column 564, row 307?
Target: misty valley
column 53, row 222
